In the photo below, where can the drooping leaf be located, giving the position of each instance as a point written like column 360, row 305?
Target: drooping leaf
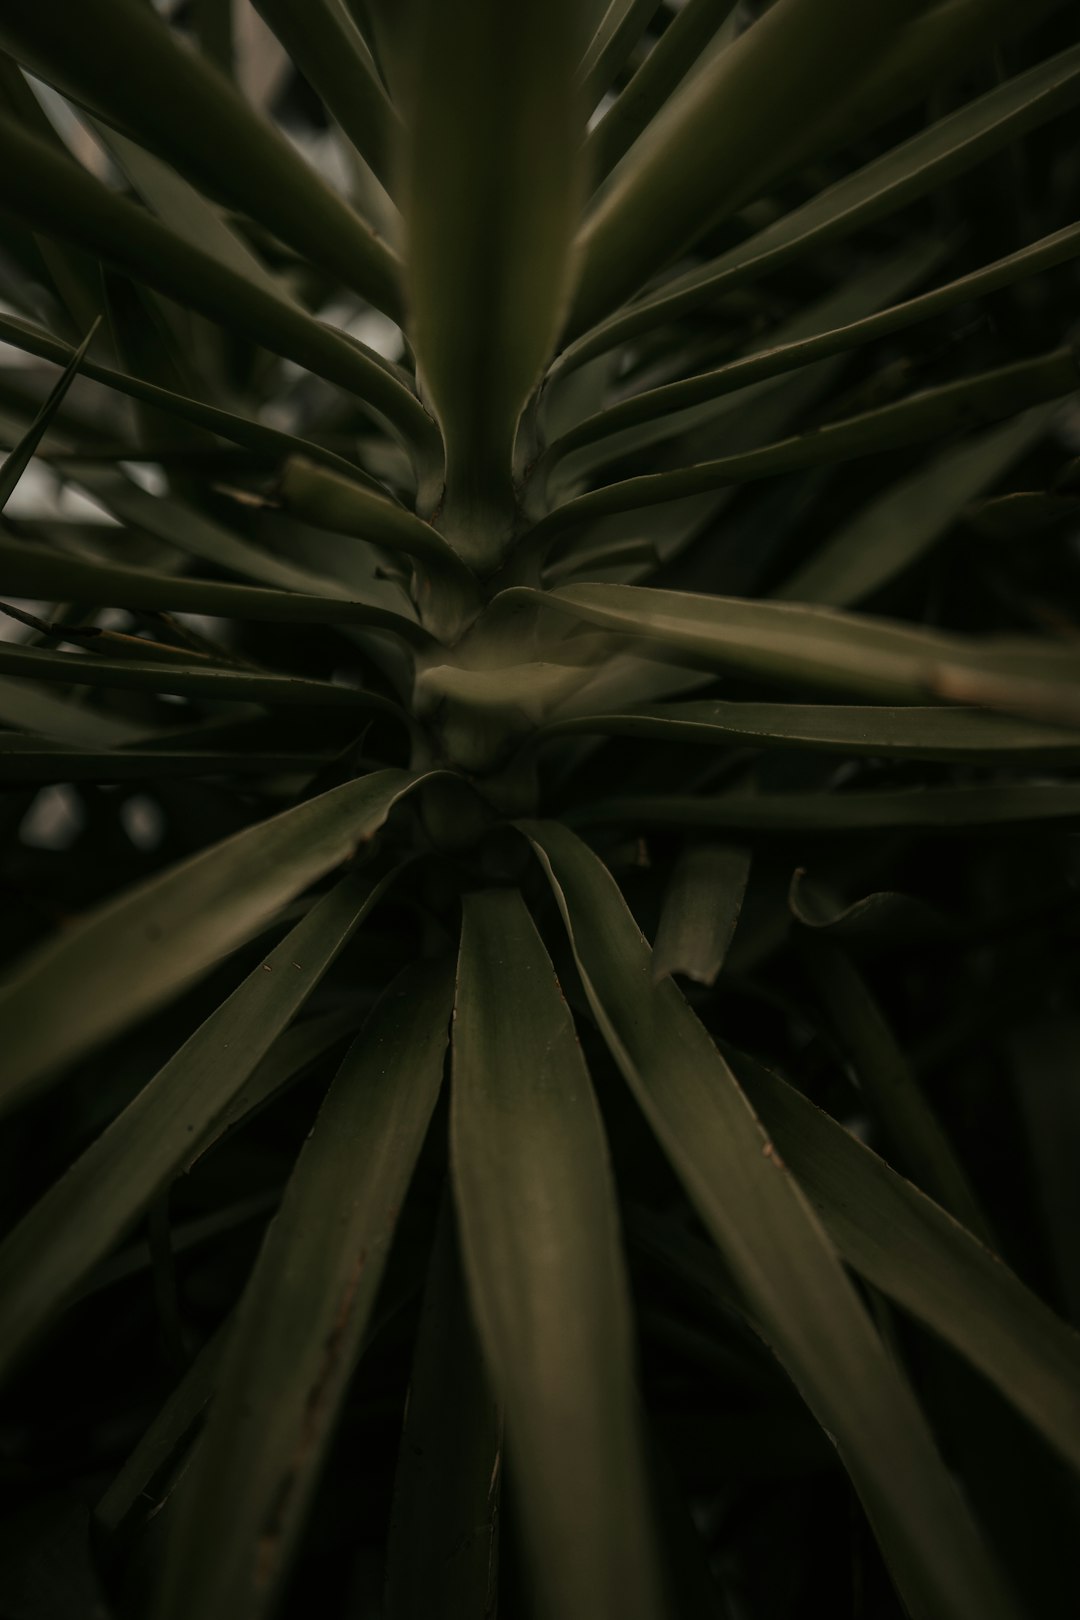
column 84, row 1213
column 103, row 53
column 1021, row 513
column 62, row 199
column 124, row 959
column 300, row 1322
column 229, row 424
column 885, row 918
column 904, row 1244
column 780, row 1257
column 540, row 1249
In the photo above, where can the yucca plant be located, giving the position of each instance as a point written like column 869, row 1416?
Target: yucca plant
column 551, row 558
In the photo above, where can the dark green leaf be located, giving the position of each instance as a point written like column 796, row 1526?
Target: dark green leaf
column 679, row 48
column 30, row 760
column 442, row 1558
column 55, row 195
column 121, row 961
column 892, row 1093
column 770, row 813
column 54, row 576
column 945, row 149
column 701, row 908
column 951, row 408
column 730, row 130
column 540, row 1246
column 104, row 53
column 490, row 191
column 782, row 1261
column 322, row 41
column 21, row 454
column 185, row 680
column 619, row 31
column 239, row 429
column 900, row 1241
column 161, row 1441
column 83, row 1214
column 899, row 526
column 300, row 1323
column 910, row 733
column 778, row 358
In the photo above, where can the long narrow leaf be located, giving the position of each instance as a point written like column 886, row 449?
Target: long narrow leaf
column 488, row 241
column 104, row 52
column 776, row 359
column 767, row 814
column 904, row 1244
column 237, row 429
column 892, row 1093
column 730, row 130
column 300, row 1323
column 950, row 408
column 319, row 37
column 676, row 51
column 55, row 576
column 20, row 455
column 541, row 1253
column 866, row 656
column 89, row 1209
column 442, row 1557
column 127, row 957
column 161, row 1441
column 620, row 29
column 779, row 1255
column 912, row 733
column 28, row 761
column 894, row 530
column 55, row 195
column 947, row 148
column 186, row 680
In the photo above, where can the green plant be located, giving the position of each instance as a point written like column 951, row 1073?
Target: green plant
column 709, row 536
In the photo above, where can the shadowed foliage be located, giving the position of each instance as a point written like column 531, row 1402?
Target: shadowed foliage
column 539, row 743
